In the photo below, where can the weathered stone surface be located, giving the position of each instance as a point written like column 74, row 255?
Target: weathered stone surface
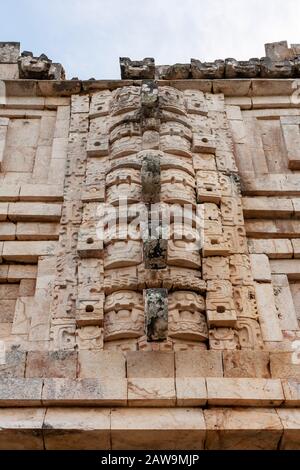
column 150, row 364
column 254, row 364
column 162, row 429
column 285, row 365
column 242, row 429
column 92, row 392
column 291, row 390
column 243, row 391
column 20, row 392
column 98, row 364
column 137, row 69
column 156, row 314
column 21, row 428
column 290, row 420
column 77, row 428
column 51, row 364
column 13, row 364
column 198, row 364
column 151, row 392
column 191, row 391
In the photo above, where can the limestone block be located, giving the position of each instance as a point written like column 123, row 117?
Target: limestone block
column 51, row 364
column 17, row 272
column 215, row 268
column 198, row 364
column 90, row 312
column 98, row 364
column 7, row 231
column 41, row 193
column 150, row 364
column 31, row 211
column 186, row 318
column 284, row 302
column 157, row 429
column 1, row 250
column 177, row 187
column 156, row 392
column 21, row 428
column 20, row 392
column 290, row 420
column 291, row 389
column 285, row 366
column 245, row 301
column 156, row 314
column 100, row 103
column 27, row 288
column 3, row 272
column 129, row 323
column 80, row 103
column 274, row 249
column 291, row 135
column 235, row 239
column 37, row 231
column 219, row 296
column 191, row 391
column 13, row 364
column 232, row 212
column 89, row 338
column 244, row 392
column 208, row 187
column 204, row 161
column 260, row 268
column 7, row 308
column 122, row 253
column 9, row 291
column 254, row 364
column 9, row 52
column 296, row 247
column 290, row 267
column 9, row 192
column 242, row 429
column 240, row 270
column 79, row 122
column 92, row 392
column 28, row 251
column 267, row 207
column 268, row 315
column 3, row 210
column 77, row 428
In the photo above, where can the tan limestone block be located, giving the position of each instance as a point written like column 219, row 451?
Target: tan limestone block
column 156, row 392
column 274, row 249
column 244, row 392
column 41, row 193
column 260, row 267
column 1, row 250
column 242, row 429
column 268, row 315
column 80, row 104
column 21, row 428
column 7, row 231
column 27, row 287
column 296, row 247
column 267, row 207
column 290, row 420
column 9, row 192
column 9, row 291
column 20, row 392
column 191, row 391
column 290, row 267
column 17, row 272
column 77, row 429
column 92, row 392
column 150, row 364
column 198, row 364
column 60, row 364
column 31, row 211
column 28, row 231
column 3, row 210
column 240, row 270
column 291, row 390
column 157, row 429
column 7, row 309
column 254, row 364
column 98, row 364
column 285, row 365
column 13, row 363
column 79, row 122
column 215, row 267
column 3, row 271
column 285, row 303
column 27, row 251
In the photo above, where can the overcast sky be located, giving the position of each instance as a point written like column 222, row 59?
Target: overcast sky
column 89, row 36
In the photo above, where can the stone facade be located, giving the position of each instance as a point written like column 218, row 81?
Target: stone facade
column 150, row 254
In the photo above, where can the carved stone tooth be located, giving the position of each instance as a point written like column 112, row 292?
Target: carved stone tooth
column 137, row 69
column 156, row 314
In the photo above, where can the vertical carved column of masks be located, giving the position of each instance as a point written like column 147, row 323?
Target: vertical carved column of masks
column 90, row 299
column 122, row 249
column 230, row 301
column 63, row 308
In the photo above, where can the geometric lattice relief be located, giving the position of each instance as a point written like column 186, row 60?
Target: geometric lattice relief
column 150, row 255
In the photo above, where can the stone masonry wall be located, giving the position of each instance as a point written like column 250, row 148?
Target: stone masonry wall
column 114, row 336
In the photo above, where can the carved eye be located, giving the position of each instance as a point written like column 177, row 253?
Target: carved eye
column 90, row 241
column 89, row 308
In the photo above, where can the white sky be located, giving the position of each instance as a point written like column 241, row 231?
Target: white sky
column 89, row 36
